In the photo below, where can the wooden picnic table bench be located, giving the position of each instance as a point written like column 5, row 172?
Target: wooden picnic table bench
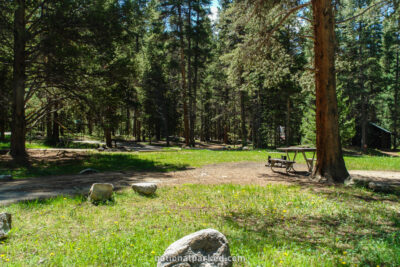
column 280, row 163
column 302, row 150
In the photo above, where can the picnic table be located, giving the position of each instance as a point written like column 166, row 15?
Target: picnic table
column 297, row 150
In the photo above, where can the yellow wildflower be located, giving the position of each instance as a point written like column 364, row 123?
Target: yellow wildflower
column 153, row 252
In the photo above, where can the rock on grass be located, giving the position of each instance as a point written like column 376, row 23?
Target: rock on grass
column 145, row 188
column 5, row 224
column 101, row 192
column 203, row 248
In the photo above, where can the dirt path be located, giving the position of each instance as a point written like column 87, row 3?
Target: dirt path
column 254, row 173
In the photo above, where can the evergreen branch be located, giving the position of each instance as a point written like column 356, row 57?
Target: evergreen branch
column 306, row 19
column 288, row 14
column 362, row 12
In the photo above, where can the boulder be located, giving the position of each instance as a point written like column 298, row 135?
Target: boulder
column 205, row 248
column 5, row 177
column 88, row 171
column 5, row 224
column 101, row 192
column 145, row 188
column 245, row 148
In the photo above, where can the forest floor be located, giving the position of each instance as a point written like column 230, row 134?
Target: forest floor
column 241, row 173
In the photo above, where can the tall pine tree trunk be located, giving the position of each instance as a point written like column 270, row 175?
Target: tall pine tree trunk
column 18, row 150
column 183, row 73
column 287, row 126
column 189, row 72
column 330, row 163
column 135, row 124
column 128, row 122
column 107, row 135
column 3, row 112
column 364, row 123
column 243, row 118
column 364, row 112
column 193, row 108
column 49, row 129
column 55, row 136
column 396, row 102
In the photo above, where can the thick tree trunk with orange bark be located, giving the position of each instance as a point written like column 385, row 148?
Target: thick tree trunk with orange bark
column 330, row 163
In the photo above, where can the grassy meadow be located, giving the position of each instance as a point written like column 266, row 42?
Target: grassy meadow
column 273, row 225
column 171, row 160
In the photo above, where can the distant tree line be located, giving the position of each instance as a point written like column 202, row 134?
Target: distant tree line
column 152, row 70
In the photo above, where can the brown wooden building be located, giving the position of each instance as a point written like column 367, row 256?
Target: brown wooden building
column 377, row 137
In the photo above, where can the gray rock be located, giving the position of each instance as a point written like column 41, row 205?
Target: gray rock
column 88, row 171
column 205, row 248
column 145, row 188
column 5, row 177
column 5, row 224
column 349, row 181
column 101, row 192
column 245, row 148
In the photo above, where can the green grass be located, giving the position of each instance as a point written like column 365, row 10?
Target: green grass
column 36, row 144
column 43, row 145
column 274, row 225
column 170, row 160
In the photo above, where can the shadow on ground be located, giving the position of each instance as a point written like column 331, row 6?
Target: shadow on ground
column 130, row 168
column 350, row 231
column 68, row 162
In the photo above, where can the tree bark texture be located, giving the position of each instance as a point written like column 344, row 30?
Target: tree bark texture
column 183, row 73
column 18, row 151
column 330, row 164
